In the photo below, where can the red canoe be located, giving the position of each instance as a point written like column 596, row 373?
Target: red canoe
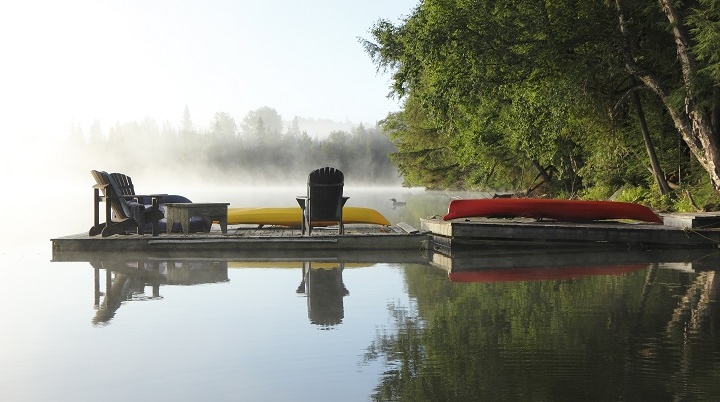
column 561, row 210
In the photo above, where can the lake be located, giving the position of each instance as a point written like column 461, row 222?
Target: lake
column 542, row 325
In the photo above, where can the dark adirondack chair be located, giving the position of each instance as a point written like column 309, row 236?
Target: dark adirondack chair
column 324, row 201
column 124, row 210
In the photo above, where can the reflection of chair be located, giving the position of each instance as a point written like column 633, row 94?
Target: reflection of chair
column 324, row 201
column 127, row 280
column 124, row 211
column 325, row 290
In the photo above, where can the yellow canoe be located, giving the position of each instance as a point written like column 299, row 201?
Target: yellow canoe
column 292, row 216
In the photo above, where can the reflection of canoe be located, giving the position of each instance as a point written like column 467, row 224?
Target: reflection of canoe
column 292, row 216
column 540, row 274
column 562, row 210
column 295, row 264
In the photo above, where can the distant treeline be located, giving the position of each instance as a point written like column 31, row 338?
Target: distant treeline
column 260, row 148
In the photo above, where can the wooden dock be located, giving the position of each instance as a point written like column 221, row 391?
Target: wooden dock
column 372, row 242
column 247, row 241
column 678, row 231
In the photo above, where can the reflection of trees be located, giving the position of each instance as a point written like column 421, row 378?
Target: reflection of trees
column 403, row 354
column 694, row 312
column 593, row 338
column 694, row 321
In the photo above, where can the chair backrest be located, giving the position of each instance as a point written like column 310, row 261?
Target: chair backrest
column 124, row 183
column 112, row 190
column 325, row 194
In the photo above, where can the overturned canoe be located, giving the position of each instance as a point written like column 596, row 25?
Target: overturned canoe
column 561, row 210
column 292, row 216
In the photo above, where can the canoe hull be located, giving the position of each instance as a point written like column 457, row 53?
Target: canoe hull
column 561, row 210
column 292, row 216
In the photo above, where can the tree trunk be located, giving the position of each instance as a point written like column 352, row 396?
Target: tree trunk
column 542, row 173
column 693, row 123
column 656, row 168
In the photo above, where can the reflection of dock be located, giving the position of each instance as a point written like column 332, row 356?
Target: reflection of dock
column 517, row 264
column 126, row 280
column 415, row 255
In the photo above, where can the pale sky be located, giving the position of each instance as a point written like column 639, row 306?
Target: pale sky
column 74, row 61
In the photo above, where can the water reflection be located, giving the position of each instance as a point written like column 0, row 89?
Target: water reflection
column 325, row 290
column 127, row 280
column 558, row 325
column 481, row 324
column 533, row 264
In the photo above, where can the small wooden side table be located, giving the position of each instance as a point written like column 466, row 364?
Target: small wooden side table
column 181, row 212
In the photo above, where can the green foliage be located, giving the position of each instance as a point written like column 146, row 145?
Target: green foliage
column 422, row 156
column 632, row 194
column 500, row 93
column 598, row 192
column 704, row 22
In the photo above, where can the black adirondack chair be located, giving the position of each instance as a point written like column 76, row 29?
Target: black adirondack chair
column 324, row 201
column 124, row 210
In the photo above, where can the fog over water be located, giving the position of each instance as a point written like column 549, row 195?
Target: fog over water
column 55, row 187
column 87, row 68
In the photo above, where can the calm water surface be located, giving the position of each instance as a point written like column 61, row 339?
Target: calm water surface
column 548, row 326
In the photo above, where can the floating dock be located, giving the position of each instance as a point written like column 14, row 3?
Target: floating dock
column 679, row 231
column 245, row 241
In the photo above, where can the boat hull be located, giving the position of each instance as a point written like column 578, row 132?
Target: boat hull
column 292, row 216
column 561, row 210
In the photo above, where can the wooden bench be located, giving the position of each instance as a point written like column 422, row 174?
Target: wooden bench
column 181, row 212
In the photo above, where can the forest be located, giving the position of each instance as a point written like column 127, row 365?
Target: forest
column 261, row 149
column 595, row 99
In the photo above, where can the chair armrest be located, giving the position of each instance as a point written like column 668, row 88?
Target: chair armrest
column 144, row 195
column 134, row 196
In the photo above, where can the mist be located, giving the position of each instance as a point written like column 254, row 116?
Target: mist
column 242, row 168
column 262, row 150
column 225, row 162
